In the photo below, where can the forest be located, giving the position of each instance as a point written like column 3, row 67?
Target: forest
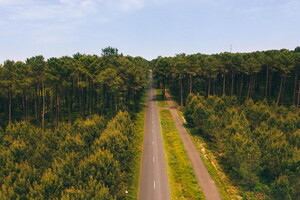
column 47, row 92
column 246, row 107
column 69, row 126
column 271, row 75
column 257, row 144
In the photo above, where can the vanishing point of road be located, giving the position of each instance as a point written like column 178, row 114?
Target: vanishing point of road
column 154, row 180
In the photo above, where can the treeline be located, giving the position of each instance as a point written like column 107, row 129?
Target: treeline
column 257, row 144
column 272, row 75
column 47, row 92
column 90, row 159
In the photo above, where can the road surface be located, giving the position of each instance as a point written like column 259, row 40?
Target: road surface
column 206, row 183
column 154, row 180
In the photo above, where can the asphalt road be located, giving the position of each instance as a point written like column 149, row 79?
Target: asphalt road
column 154, row 180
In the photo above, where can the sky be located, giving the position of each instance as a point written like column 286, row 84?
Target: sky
column 147, row 28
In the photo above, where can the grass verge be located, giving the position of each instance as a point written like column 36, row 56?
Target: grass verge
column 182, row 180
column 137, row 144
column 159, row 99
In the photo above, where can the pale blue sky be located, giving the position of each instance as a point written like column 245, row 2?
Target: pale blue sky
column 146, row 28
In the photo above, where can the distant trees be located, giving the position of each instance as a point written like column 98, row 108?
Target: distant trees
column 272, row 75
column 7, row 80
column 162, row 72
column 47, row 92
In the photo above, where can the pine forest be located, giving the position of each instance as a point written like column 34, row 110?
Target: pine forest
column 72, row 127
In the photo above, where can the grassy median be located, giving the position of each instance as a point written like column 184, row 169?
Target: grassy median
column 182, row 180
column 159, row 99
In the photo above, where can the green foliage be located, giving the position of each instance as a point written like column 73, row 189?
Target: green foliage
column 183, row 182
column 281, row 189
column 85, row 160
column 271, row 75
column 257, row 144
column 48, row 92
column 70, row 157
column 109, row 51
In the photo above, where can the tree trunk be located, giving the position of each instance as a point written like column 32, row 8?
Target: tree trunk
column 43, row 106
column 253, row 83
column 241, row 87
column 191, row 83
column 81, row 101
column 90, row 99
column 232, row 83
column 164, row 90
column 84, row 97
column 69, row 106
column 249, row 87
column 224, row 83
column 270, row 83
column 104, row 99
column 280, row 89
column 35, row 106
column 298, row 101
column 38, row 104
column 215, row 86
column 208, row 90
column 117, row 101
column 283, row 91
column 181, row 98
column 9, row 106
column 26, row 107
column 110, row 100
column 51, row 106
column 267, row 81
column 57, row 107
column 295, row 88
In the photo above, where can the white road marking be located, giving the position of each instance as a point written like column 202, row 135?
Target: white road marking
column 154, row 184
column 152, row 131
column 152, row 142
column 153, row 159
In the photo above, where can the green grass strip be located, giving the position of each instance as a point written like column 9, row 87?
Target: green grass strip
column 159, row 99
column 182, row 180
